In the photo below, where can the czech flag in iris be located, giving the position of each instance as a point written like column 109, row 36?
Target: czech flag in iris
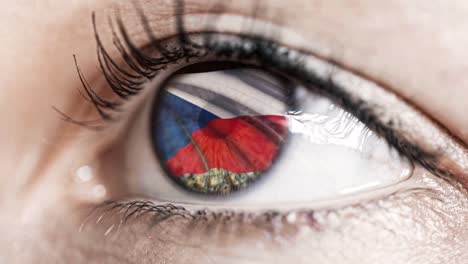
column 210, row 154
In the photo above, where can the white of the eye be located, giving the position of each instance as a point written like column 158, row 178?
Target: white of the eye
column 330, row 154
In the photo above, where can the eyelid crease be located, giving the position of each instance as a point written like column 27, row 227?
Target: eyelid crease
column 268, row 53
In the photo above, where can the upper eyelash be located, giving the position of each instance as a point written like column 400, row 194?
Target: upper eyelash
column 125, row 83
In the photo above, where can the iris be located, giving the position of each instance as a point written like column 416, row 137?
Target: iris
column 218, row 132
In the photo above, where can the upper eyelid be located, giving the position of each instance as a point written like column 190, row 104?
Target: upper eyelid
column 445, row 156
column 450, row 152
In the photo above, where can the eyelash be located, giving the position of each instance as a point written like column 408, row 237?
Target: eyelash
column 206, row 221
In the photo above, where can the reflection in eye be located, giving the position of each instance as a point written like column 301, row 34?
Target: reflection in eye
column 218, row 132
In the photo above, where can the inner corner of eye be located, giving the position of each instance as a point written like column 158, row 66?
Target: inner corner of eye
column 217, row 128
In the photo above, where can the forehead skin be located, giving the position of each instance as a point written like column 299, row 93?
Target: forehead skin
column 416, row 48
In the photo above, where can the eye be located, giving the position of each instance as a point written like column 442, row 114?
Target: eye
column 254, row 137
column 233, row 119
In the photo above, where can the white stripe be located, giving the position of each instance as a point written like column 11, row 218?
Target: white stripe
column 234, row 89
column 200, row 103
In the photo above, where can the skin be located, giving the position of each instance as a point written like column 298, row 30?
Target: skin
column 416, row 49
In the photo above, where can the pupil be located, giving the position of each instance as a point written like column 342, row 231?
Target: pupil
column 213, row 134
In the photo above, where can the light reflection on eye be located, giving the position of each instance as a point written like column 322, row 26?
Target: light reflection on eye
column 218, row 132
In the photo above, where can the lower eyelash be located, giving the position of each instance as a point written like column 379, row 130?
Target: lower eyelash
column 175, row 221
column 172, row 223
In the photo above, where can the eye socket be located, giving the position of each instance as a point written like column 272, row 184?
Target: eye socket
column 221, row 130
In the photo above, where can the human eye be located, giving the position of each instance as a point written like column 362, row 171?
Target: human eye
column 212, row 122
column 219, row 132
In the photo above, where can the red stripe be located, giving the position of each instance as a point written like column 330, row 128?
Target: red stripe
column 240, row 145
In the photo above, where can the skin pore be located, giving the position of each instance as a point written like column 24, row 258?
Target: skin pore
column 417, row 50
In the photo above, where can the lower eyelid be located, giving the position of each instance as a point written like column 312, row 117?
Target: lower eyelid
column 157, row 212
column 140, row 221
column 344, row 86
column 174, row 224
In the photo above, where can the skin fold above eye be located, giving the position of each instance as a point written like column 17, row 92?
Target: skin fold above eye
column 417, row 49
